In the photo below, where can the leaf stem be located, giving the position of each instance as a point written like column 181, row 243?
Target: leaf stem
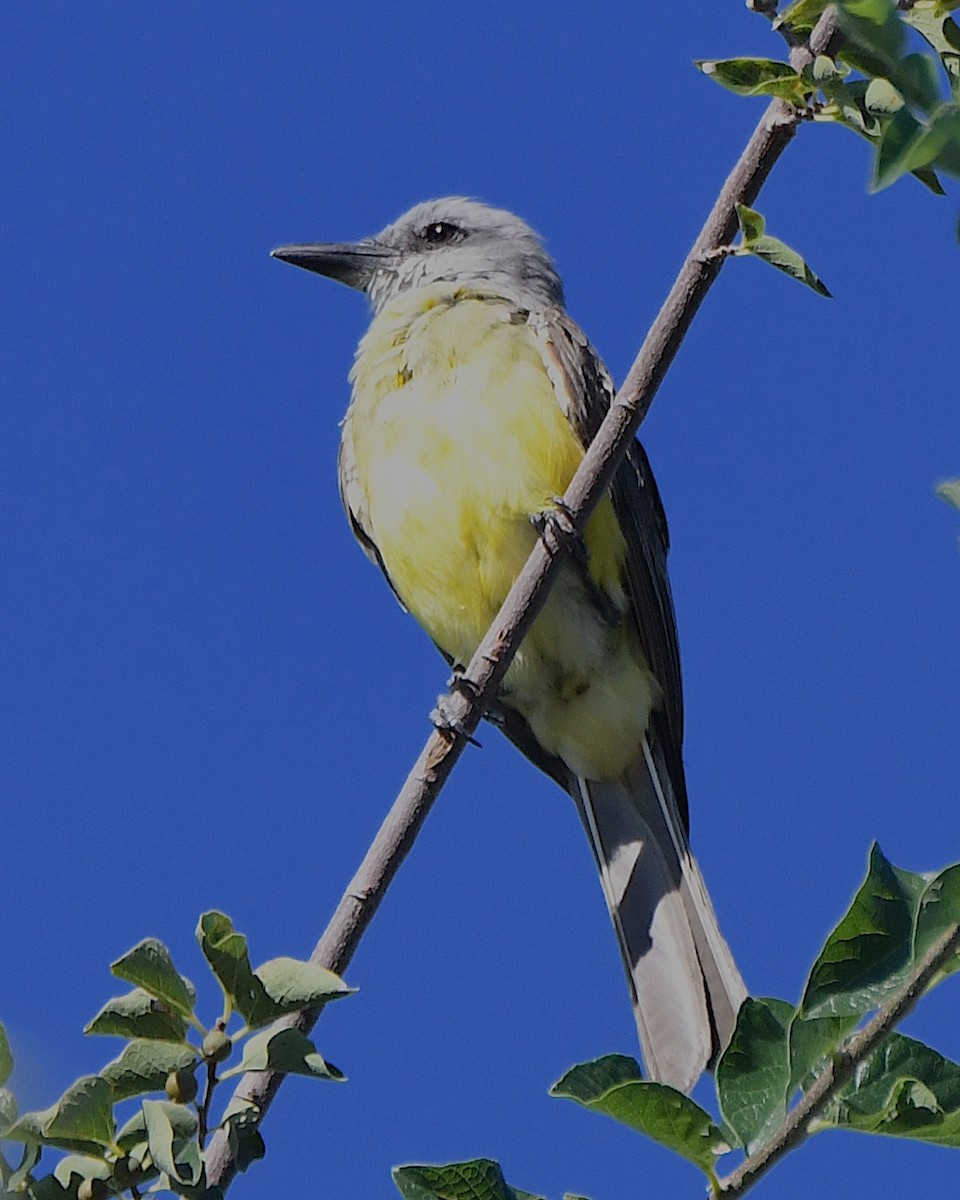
column 796, row 1127
column 768, row 9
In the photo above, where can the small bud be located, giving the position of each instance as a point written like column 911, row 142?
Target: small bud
column 216, row 1046
column 93, row 1189
column 181, row 1086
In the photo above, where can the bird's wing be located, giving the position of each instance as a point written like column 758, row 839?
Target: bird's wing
column 585, row 390
column 353, row 497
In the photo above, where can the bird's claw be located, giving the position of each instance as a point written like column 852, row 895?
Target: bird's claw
column 444, row 720
column 458, row 682
column 557, row 531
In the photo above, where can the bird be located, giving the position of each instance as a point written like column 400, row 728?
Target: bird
column 473, row 398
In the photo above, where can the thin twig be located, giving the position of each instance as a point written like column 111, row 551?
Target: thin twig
column 466, row 705
column 203, row 1110
column 796, row 1127
column 768, row 9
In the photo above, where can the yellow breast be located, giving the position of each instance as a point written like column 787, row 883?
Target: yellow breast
column 456, row 438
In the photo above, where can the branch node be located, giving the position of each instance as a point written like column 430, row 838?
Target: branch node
column 718, row 255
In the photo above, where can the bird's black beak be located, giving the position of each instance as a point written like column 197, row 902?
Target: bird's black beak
column 352, row 263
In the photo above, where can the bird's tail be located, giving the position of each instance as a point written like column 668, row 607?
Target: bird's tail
column 686, row 987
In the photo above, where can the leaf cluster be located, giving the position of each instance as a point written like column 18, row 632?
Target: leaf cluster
column 779, row 1051
column 160, row 1146
column 906, row 103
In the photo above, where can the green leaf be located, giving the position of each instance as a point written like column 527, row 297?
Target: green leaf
column 49, row 1187
column 928, row 178
column 226, row 951
column 939, row 910
column 29, row 1159
column 479, row 1179
column 286, row 1050
column 149, row 966
column 8, row 1109
column 757, row 77
column 801, row 16
column 949, row 491
column 938, row 144
column 144, row 1065
column 905, row 1090
column 81, row 1120
column 611, row 1085
column 874, row 28
column 138, row 1015
column 177, row 1157
column 751, row 223
column 778, row 254
column 79, row 1167
column 896, row 141
column 943, row 34
column 181, row 1118
column 753, row 1074
column 6, row 1057
column 279, row 986
column 600, row 1074
column 866, row 958
column 882, row 98
column 292, row 984
column 918, row 78
column 877, row 12
column 813, row 1040
column 824, row 70
column 772, row 250
column 246, row 1143
column 847, row 105
column 83, row 1112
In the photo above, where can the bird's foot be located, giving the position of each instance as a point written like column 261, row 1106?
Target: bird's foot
column 458, row 682
column 446, row 721
column 557, row 531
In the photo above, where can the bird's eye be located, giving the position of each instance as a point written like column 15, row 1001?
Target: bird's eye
column 438, row 232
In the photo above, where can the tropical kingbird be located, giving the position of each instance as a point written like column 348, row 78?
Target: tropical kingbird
column 474, row 396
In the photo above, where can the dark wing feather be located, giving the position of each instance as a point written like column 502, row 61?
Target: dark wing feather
column 584, row 390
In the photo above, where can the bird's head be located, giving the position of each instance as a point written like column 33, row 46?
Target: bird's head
column 453, row 240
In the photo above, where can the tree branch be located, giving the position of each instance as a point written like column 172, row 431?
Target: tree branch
column 466, row 705
column 796, row 1128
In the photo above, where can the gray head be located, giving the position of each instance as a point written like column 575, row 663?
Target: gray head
column 453, row 240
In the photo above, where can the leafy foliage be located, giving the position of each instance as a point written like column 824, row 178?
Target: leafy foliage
column 613, row 1086
column 478, row 1179
column 771, row 250
column 949, row 491
column 907, row 104
column 778, row 1050
column 162, row 1143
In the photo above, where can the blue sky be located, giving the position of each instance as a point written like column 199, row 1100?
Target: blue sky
column 209, row 697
